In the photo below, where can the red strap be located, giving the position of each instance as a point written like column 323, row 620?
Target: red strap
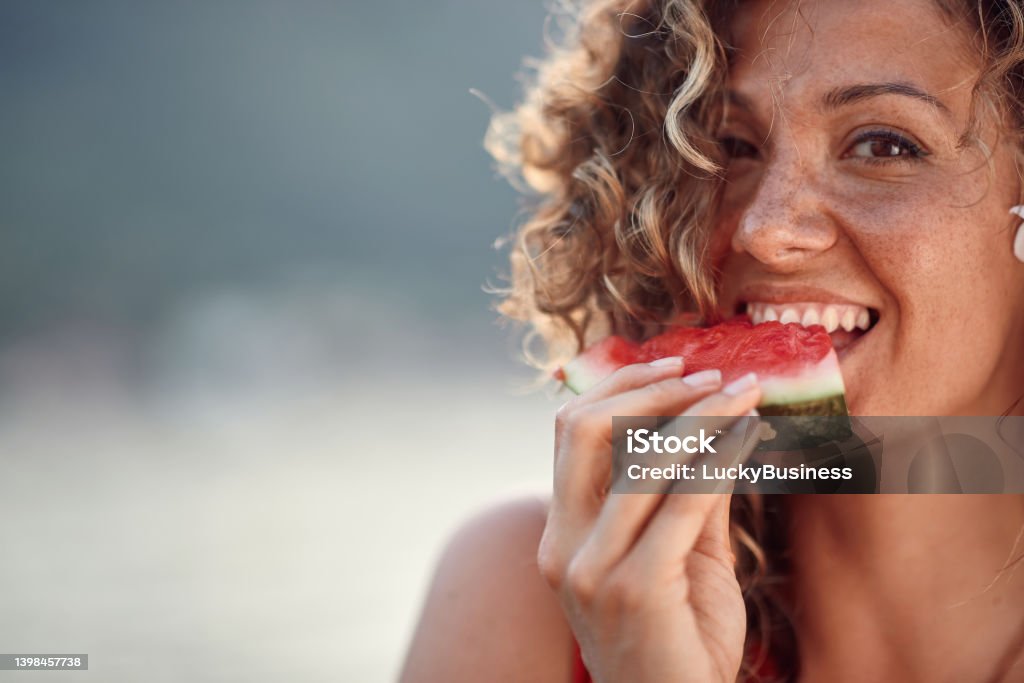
column 768, row 670
column 579, row 670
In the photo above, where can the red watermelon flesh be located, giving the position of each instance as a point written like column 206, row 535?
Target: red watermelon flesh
column 796, row 366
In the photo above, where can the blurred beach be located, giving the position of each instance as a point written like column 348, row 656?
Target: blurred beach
column 250, row 380
column 241, row 518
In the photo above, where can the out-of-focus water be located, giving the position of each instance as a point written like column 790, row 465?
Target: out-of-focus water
column 264, row 525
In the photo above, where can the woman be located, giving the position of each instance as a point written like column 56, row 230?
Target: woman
column 728, row 156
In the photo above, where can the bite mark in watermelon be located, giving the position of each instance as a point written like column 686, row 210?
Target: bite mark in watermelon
column 796, row 366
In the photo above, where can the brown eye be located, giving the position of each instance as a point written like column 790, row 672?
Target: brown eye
column 736, row 148
column 885, row 145
column 877, row 148
column 883, row 148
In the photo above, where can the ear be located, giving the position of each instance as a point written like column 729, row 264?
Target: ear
column 1018, row 239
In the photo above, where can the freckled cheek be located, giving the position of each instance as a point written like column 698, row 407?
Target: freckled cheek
column 921, row 250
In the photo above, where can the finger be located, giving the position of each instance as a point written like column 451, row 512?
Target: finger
column 672, row 532
column 685, row 519
column 624, row 516
column 715, row 412
column 735, row 399
column 713, row 540
column 737, row 440
column 624, row 379
column 583, row 463
column 583, row 458
column 670, row 535
column 635, row 376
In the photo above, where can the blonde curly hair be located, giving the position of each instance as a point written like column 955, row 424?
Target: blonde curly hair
column 615, row 145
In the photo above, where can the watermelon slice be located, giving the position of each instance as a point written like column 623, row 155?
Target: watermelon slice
column 796, row 366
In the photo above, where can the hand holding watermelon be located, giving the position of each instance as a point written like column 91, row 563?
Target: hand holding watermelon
column 636, row 571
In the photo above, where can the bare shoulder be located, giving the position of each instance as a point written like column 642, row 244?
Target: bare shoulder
column 489, row 614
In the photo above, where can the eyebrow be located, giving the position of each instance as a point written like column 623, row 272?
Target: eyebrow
column 838, row 97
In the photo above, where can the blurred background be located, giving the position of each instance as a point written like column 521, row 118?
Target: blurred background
column 243, row 246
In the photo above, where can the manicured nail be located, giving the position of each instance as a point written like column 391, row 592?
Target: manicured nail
column 671, row 360
column 742, row 385
column 704, row 378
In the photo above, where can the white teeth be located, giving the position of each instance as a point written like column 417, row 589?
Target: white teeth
column 849, row 320
column 863, row 319
column 830, row 319
column 830, row 316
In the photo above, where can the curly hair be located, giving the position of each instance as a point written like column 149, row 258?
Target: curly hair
column 615, row 144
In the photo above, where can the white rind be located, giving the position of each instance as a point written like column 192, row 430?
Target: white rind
column 816, row 382
column 581, row 376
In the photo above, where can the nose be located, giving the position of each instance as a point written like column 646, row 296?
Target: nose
column 788, row 220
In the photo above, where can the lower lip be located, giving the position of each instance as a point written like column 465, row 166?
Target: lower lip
column 845, row 350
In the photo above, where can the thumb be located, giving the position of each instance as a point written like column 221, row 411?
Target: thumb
column 714, row 539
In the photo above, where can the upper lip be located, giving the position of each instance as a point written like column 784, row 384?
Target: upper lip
column 791, row 294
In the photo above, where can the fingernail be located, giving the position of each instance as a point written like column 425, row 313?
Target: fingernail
column 671, row 360
column 704, row 378
column 742, row 385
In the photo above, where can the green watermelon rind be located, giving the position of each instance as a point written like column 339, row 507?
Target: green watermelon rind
column 825, row 406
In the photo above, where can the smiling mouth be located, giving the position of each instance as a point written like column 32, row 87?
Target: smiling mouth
column 845, row 323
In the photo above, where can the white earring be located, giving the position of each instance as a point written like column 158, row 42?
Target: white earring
column 1018, row 240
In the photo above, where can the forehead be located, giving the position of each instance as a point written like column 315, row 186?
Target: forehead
column 804, row 47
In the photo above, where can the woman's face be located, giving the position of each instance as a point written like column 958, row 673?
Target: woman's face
column 853, row 196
